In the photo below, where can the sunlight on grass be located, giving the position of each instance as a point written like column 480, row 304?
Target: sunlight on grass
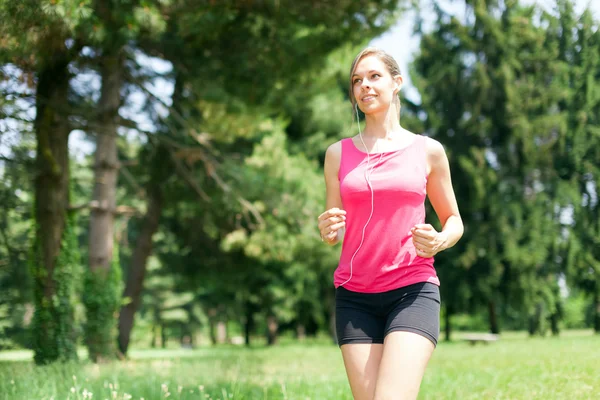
column 515, row 368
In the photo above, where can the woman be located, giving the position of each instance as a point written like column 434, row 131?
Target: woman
column 387, row 290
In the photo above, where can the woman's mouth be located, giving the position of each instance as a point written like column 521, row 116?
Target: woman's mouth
column 368, row 98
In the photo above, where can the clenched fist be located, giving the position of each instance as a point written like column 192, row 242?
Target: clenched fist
column 428, row 242
column 330, row 222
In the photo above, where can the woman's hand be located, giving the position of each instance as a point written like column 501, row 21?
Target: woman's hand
column 330, row 222
column 428, row 242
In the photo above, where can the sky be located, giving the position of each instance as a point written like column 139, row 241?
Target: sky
column 398, row 41
column 402, row 45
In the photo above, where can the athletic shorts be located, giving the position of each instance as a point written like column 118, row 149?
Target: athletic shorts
column 369, row 317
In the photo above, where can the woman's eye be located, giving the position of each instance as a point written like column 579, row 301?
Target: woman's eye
column 376, row 75
column 356, row 81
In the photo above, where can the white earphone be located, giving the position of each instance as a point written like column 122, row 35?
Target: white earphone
column 368, row 179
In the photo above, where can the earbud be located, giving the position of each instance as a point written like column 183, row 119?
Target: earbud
column 368, row 172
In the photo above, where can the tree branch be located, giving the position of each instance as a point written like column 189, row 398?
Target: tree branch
column 95, row 205
column 185, row 174
column 129, row 177
column 211, row 164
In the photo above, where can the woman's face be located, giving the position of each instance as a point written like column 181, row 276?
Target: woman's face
column 373, row 86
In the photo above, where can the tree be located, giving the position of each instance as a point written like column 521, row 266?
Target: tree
column 577, row 155
column 280, row 48
column 480, row 82
column 45, row 57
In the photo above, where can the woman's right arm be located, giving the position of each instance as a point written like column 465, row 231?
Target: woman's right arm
column 332, row 222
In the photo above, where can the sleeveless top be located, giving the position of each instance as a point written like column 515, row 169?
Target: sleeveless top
column 387, row 258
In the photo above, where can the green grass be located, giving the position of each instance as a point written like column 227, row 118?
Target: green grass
column 516, row 367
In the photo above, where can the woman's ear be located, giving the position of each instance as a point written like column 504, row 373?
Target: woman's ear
column 398, row 80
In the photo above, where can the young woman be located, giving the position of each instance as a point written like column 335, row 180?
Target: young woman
column 387, row 290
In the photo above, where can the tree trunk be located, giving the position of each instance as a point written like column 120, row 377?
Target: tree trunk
column 249, row 323
column 160, row 172
column 105, row 168
column 536, row 321
column 331, row 311
column 596, row 308
column 494, row 328
column 103, row 299
column 51, row 201
column 272, row 327
column 300, row 332
column 221, row 332
column 447, row 323
column 212, row 320
column 154, row 337
column 554, row 324
column 163, row 336
column 532, row 325
column 137, row 271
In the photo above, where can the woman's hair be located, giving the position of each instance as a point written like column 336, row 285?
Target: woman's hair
column 388, row 61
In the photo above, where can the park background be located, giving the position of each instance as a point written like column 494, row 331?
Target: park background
column 161, row 175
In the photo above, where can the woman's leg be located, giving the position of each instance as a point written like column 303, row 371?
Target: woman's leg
column 360, row 332
column 362, row 364
column 403, row 363
column 412, row 330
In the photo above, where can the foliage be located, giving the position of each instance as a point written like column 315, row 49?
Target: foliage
column 101, row 297
column 481, row 82
column 53, row 326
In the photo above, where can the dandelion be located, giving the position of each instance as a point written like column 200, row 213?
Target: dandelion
column 201, row 387
column 72, row 390
column 179, row 389
column 114, row 394
column 74, row 378
column 164, row 387
column 127, row 396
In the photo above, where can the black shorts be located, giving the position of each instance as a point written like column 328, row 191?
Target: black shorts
column 369, row 317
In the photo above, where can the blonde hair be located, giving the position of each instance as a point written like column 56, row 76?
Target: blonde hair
column 385, row 58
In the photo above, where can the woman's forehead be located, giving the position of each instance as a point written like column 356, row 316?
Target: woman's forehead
column 369, row 63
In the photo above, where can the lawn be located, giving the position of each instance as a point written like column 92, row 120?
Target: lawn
column 515, row 367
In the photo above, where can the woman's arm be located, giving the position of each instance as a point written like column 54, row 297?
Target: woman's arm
column 441, row 195
column 332, row 222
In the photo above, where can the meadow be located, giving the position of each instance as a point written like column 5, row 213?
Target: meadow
column 515, row 367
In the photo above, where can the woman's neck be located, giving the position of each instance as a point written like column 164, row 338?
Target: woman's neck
column 381, row 130
column 382, row 125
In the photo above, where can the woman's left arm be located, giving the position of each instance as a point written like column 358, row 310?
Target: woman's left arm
column 441, row 195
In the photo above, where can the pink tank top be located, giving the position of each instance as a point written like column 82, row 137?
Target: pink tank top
column 387, row 258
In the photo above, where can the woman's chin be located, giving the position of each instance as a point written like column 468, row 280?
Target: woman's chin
column 370, row 109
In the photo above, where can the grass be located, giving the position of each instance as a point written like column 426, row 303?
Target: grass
column 516, row 367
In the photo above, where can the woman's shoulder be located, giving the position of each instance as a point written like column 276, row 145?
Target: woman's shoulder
column 435, row 150
column 335, row 149
column 433, row 146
